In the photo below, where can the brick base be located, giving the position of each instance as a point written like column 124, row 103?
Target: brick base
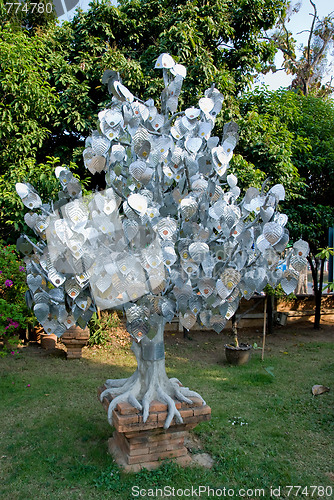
column 75, row 338
column 136, row 445
column 73, row 348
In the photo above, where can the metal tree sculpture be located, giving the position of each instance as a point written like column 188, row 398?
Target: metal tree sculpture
column 170, row 234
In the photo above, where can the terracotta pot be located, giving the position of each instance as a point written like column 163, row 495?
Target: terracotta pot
column 75, row 338
column 34, row 334
column 238, row 355
column 48, row 340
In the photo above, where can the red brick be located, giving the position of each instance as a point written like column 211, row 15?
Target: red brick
column 100, row 390
column 162, row 416
column 196, row 402
column 126, row 409
column 105, row 404
column 155, row 436
column 133, row 446
column 187, row 413
column 144, row 450
column 157, row 406
column 129, row 429
column 123, row 420
column 203, row 410
column 153, row 417
column 174, row 444
column 118, row 446
column 157, row 456
column 196, row 419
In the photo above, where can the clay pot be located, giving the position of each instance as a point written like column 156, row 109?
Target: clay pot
column 238, row 355
column 48, row 340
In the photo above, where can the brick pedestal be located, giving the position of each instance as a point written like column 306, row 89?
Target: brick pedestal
column 75, row 338
column 136, row 445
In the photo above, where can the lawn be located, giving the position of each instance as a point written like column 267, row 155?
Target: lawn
column 267, row 429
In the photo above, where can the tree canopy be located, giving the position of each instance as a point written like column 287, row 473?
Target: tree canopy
column 308, row 68
column 51, row 74
column 308, row 122
column 219, row 41
column 307, row 146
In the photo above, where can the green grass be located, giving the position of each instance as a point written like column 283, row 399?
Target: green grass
column 53, row 437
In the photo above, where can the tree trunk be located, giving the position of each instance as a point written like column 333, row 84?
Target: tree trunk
column 150, row 381
column 318, row 296
column 317, row 286
column 270, row 314
column 235, row 329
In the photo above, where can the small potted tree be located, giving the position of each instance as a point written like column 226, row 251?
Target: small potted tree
column 237, row 353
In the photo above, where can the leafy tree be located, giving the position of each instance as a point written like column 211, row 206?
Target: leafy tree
column 27, row 99
column 266, row 143
column 51, row 77
column 27, row 102
column 27, row 14
column 219, row 42
column 309, row 68
column 309, row 121
column 42, row 176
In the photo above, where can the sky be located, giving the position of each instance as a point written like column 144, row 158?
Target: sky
column 300, row 21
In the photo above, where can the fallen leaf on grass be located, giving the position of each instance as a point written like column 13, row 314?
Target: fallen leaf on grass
column 319, row 389
column 270, row 370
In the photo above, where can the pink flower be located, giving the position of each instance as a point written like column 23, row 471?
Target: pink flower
column 28, row 385
column 9, row 283
column 21, row 268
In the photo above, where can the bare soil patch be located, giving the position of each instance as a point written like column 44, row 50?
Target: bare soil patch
column 208, row 346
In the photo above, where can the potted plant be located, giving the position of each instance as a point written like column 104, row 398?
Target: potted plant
column 237, row 353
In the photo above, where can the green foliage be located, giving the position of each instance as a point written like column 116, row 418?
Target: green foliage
column 290, row 136
column 27, row 103
column 42, row 177
column 27, row 14
column 293, row 134
column 278, row 293
column 27, row 100
column 266, row 140
column 101, row 327
column 218, row 41
column 14, row 314
column 325, row 253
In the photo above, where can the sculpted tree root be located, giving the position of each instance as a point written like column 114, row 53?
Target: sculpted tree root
column 148, row 383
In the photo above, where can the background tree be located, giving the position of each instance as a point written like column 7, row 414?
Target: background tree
column 309, row 68
column 27, row 15
column 26, row 105
column 50, row 101
column 218, row 41
column 309, row 124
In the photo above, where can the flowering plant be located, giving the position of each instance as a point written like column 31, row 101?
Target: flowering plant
column 13, row 310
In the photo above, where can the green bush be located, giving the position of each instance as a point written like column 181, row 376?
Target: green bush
column 101, row 328
column 14, row 314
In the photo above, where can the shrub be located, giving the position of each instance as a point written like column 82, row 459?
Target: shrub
column 14, row 314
